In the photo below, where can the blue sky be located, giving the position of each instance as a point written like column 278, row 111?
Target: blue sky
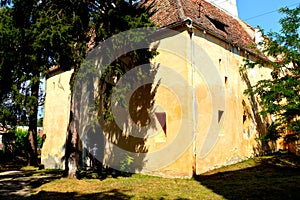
column 263, row 12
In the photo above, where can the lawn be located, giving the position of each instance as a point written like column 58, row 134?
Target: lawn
column 272, row 177
column 134, row 187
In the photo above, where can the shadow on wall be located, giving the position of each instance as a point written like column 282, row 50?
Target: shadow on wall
column 127, row 141
column 262, row 122
column 101, row 137
column 77, row 149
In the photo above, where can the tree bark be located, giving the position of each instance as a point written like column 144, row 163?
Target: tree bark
column 32, row 130
column 71, row 154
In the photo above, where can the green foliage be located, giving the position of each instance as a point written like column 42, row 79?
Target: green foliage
column 40, row 122
column 39, row 140
column 125, row 163
column 36, row 35
column 39, row 34
column 9, row 82
column 20, row 139
column 280, row 95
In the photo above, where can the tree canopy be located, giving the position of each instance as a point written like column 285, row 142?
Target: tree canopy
column 280, row 95
column 39, row 34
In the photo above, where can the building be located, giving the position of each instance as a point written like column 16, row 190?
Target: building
column 7, row 141
column 220, row 123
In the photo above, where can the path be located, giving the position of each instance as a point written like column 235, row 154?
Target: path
column 19, row 185
column 14, row 185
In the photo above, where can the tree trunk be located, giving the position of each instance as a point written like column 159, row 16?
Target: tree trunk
column 71, row 154
column 32, row 131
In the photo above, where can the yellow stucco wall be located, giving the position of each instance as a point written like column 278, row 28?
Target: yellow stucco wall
column 56, row 118
column 174, row 97
column 192, row 104
column 236, row 139
column 236, row 136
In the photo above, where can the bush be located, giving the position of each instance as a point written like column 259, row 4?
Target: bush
column 20, row 140
column 20, row 137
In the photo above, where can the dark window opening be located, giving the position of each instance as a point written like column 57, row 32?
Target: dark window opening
column 220, row 114
column 226, row 80
column 219, row 25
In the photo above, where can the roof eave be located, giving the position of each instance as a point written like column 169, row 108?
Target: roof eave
column 215, row 34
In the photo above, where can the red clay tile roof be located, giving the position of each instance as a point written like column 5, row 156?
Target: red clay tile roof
column 165, row 12
column 203, row 14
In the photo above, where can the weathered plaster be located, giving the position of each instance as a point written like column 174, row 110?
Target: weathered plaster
column 236, row 138
column 56, row 118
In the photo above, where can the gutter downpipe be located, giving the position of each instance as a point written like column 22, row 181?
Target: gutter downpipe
column 194, row 102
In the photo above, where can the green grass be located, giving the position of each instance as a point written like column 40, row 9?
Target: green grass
column 134, row 187
column 272, row 177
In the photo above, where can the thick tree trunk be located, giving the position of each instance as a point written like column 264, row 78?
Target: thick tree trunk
column 71, row 154
column 32, row 131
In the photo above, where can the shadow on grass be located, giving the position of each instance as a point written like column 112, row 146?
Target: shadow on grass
column 102, row 174
column 111, row 194
column 19, row 184
column 18, row 181
column 274, row 177
column 11, row 164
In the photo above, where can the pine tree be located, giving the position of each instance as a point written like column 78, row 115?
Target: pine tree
column 41, row 34
column 48, row 33
column 26, row 67
column 8, row 40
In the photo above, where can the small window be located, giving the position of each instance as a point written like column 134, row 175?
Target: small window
column 219, row 25
column 226, row 80
column 220, row 114
column 162, row 118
